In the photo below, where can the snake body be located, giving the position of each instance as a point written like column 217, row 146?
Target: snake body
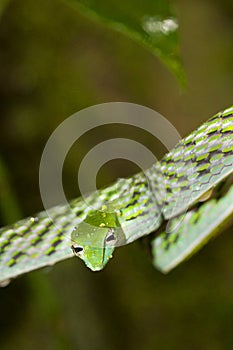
column 137, row 206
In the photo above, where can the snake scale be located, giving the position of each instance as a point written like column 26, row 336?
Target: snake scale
column 184, row 200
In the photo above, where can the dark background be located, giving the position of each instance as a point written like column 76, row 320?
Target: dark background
column 54, row 62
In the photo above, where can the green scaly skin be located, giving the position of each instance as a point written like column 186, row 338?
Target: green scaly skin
column 134, row 207
column 188, row 232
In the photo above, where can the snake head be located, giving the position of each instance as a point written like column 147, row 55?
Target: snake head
column 93, row 244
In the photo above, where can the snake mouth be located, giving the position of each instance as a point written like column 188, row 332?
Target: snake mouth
column 94, row 269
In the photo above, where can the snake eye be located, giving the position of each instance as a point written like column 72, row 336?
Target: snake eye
column 111, row 237
column 77, row 249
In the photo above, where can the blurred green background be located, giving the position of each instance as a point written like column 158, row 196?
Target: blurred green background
column 54, row 62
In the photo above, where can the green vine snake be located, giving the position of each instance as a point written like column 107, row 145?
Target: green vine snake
column 179, row 203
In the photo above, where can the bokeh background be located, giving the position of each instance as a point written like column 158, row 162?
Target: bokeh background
column 54, row 62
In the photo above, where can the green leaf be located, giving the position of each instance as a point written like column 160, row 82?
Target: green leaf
column 152, row 23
